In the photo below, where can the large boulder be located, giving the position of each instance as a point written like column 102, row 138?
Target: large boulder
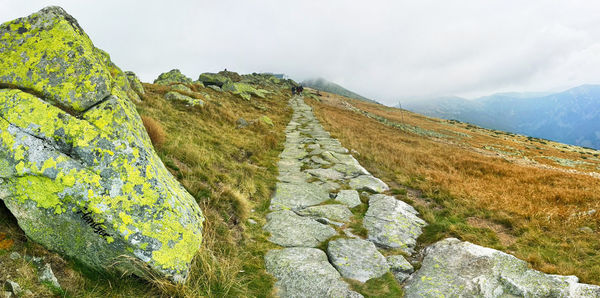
column 77, row 168
column 213, row 79
column 453, row 268
column 174, row 76
column 135, row 83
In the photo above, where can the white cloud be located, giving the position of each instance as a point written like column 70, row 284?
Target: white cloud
column 387, row 50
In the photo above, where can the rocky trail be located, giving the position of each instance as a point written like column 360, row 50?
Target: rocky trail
column 319, row 194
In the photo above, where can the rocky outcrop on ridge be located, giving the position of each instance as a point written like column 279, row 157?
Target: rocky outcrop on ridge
column 77, row 168
column 173, row 76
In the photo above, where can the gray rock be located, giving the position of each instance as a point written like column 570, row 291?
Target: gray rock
column 46, row 275
column 298, row 196
column 241, row 123
column 79, row 171
column 348, row 197
column 176, row 96
column 173, row 76
column 586, row 230
column 12, row 287
column 215, row 87
column 251, row 221
column 400, row 267
column 392, row 223
column 330, row 174
column 14, row 255
column 319, row 160
column 305, row 272
column 135, row 83
column 333, row 212
column 6, row 294
column 289, row 229
column 357, row 259
column 368, row 182
column 454, row 268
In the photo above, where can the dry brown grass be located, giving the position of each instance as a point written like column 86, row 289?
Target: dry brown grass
column 541, row 208
column 155, row 131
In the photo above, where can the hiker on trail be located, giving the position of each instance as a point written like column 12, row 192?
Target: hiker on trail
column 294, row 90
column 300, row 89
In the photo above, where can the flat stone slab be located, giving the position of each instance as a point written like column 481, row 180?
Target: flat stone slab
column 453, row 268
column 357, row 259
column 330, row 174
column 348, row 197
column 305, row 272
column 298, row 195
column 333, row 212
column 368, row 182
column 391, row 223
column 290, row 229
column 400, row 267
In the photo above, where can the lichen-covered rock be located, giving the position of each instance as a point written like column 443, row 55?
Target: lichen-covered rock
column 400, row 267
column 289, row 229
column 348, row 197
column 172, row 77
column 392, row 223
column 190, row 101
column 305, row 272
column 333, row 212
column 213, row 79
column 77, row 168
column 181, row 87
column 357, row 259
column 266, row 120
column 245, row 91
column 135, row 83
column 453, row 268
column 368, row 182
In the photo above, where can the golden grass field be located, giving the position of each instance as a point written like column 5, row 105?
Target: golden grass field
column 488, row 187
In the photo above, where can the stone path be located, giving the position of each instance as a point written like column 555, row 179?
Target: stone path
column 320, row 184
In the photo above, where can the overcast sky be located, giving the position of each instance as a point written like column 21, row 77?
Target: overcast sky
column 385, row 50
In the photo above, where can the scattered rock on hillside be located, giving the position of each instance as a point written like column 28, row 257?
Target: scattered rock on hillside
column 357, row 259
column 241, row 123
column 12, row 287
column 135, row 83
column 173, row 76
column 181, row 87
column 400, row 267
column 245, row 91
column 46, row 275
column 368, row 182
column 455, row 268
column 333, row 212
column 305, row 272
column 77, row 168
column 213, row 79
column 348, row 197
column 289, row 229
column 176, row 96
column 215, row 87
column 392, row 223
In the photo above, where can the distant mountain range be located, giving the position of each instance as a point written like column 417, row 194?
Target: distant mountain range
column 331, row 87
column 571, row 116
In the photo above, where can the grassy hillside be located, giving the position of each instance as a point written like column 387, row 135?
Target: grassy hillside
column 529, row 197
column 331, row 87
column 230, row 171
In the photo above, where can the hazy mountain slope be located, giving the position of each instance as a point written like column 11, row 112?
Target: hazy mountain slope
column 327, row 86
column 570, row 117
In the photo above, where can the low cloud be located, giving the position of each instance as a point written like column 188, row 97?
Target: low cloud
column 386, row 50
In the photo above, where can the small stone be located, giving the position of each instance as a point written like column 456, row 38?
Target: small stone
column 357, row 259
column 586, row 230
column 6, row 294
column 14, row 255
column 349, row 198
column 400, row 267
column 251, row 221
column 241, row 123
column 46, row 275
column 12, row 287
